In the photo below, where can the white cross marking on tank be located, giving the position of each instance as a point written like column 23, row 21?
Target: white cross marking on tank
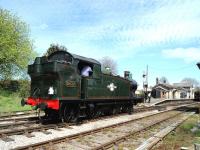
column 111, row 87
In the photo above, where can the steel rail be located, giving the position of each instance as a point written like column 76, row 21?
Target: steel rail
column 12, row 125
column 27, row 112
column 31, row 129
column 118, row 140
column 16, row 114
column 154, row 140
column 28, row 130
column 19, row 119
column 73, row 136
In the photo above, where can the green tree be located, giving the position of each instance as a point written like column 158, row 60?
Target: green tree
column 16, row 49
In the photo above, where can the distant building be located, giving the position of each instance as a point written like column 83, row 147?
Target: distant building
column 162, row 90
column 184, row 90
column 175, row 91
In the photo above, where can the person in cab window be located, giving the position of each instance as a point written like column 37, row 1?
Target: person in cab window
column 86, row 71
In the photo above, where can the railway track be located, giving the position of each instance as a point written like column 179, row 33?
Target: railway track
column 156, row 133
column 154, row 117
column 28, row 125
column 148, row 136
column 27, row 129
column 15, row 114
column 29, row 115
column 29, row 112
column 16, row 119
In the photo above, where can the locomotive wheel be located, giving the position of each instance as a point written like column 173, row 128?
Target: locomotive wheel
column 91, row 113
column 130, row 109
column 116, row 110
column 124, row 109
column 69, row 114
column 98, row 112
column 50, row 114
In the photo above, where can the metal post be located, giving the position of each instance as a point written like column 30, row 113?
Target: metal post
column 145, row 82
column 147, row 78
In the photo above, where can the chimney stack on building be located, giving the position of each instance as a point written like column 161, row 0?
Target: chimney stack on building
column 157, row 81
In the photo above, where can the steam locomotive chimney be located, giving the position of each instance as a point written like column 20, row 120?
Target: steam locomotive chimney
column 126, row 74
column 157, row 81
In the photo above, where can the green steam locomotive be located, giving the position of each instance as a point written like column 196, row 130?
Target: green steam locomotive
column 60, row 88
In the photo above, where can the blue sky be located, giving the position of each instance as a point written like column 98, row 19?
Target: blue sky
column 165, row 35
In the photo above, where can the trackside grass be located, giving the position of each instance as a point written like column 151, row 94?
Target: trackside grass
column 11, row 102
column 184, row 136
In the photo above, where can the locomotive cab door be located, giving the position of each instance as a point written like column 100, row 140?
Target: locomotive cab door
column 90, row 79
column 85, row 70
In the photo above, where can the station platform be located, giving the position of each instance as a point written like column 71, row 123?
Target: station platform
column 156, row 101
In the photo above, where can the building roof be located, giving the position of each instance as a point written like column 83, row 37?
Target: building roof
column 174, row 87
column 182, row 85
column 163, row 86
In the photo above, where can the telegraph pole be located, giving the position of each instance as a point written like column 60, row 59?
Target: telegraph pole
column 147, row 76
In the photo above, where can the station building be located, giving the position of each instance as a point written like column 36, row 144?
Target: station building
column 174, row 91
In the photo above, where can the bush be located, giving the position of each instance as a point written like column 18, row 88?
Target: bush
column 22, row 87
column 9, row 85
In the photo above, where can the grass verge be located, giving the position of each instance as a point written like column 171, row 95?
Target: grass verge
column 11, row 102
column 183, row 136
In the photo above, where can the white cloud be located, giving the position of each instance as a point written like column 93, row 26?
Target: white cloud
column 187, row 54
column 165, row 23
column 172, row 22
column 122, row 28
column 42, row 26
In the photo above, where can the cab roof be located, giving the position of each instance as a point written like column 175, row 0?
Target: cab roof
column 77, row 57
column 85, row 59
